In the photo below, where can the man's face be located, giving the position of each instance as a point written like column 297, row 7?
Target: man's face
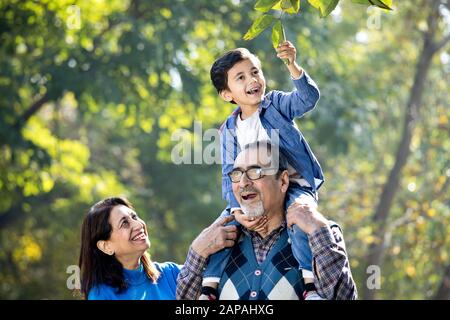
column 246, row 83
column 262, row 196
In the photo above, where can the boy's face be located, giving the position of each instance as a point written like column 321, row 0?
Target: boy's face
column 246, row 83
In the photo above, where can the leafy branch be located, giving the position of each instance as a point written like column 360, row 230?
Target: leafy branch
column 292, row 7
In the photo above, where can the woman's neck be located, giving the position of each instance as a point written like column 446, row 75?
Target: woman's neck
column 130, row 263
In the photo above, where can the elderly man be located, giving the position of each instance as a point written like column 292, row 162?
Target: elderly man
column 262, row 265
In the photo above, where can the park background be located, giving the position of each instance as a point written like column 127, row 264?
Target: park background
column 92, row 91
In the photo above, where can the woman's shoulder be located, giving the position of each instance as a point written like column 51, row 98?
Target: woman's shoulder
column 164, row 267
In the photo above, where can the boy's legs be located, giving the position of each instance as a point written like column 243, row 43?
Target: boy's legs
column 299, row 239
column 216, row 265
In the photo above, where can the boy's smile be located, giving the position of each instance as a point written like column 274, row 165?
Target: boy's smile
column 246, row 85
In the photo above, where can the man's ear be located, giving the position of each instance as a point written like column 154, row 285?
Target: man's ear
column 226, row 95
column 284, row 178
column 105, row 247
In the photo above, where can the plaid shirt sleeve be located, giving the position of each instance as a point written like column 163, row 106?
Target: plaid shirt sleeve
column 189, row 279
column 333, row 277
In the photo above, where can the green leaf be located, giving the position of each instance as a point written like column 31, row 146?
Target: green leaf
column 265, row 5
column 286, row 6
column 325, row 7
column 295, row 5
column 277, row 34
column 384, row 4
column 258, row 26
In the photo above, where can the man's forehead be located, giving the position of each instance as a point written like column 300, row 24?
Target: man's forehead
column 253, row 157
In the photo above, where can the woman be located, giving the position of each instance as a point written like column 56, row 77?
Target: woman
column 113, row 259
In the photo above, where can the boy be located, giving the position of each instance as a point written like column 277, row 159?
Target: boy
column 238, row 78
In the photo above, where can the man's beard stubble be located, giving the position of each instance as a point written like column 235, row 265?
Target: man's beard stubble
column 255, row 210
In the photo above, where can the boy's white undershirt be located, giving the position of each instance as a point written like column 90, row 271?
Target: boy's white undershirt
column 251, row 130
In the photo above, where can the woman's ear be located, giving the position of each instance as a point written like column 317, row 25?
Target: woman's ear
column 284, row 181
column 226, row 95
column 105, row 247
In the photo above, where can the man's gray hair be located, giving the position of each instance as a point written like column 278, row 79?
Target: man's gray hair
column 277, row 158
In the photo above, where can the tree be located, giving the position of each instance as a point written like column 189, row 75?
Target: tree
column 431, row 46
column 121, row 80
column 443, row 292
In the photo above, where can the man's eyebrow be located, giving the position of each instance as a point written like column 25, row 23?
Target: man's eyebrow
column 249, row 167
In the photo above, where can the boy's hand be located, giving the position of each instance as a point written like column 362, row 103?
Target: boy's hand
column 286, row 50
column 253, row 224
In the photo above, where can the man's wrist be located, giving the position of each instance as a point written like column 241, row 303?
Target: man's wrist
column 195, row 263
column 316, row 226
column 201, row 252
column 200, row 248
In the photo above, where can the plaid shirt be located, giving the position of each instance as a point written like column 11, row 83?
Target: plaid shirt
column 261, row 245
column 333, row 277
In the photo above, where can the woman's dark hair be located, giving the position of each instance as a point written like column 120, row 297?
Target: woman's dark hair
column 96, row 266
column 219, row 69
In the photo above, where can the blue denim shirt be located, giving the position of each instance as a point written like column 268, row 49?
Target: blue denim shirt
column 277, row 111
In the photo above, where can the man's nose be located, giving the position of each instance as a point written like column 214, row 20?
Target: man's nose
column 245, row 181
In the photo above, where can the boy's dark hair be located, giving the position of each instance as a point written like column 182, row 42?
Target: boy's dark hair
column 219, row 69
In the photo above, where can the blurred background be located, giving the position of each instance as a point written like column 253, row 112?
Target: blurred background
column 91, row 92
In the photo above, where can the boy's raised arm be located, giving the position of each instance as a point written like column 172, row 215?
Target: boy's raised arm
column 306, row 94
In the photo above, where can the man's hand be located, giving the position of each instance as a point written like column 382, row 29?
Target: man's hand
column 215, row 238
column 306, row 217
column 254, row 224
column 286, row 50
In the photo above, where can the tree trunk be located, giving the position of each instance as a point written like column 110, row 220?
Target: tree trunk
column 443, row 292
column 380, row 217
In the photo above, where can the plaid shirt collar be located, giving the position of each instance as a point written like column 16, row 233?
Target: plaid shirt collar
column 262, row 246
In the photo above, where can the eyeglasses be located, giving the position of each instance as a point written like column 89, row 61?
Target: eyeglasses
column 252, row 173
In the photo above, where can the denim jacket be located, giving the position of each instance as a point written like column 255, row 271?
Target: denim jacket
column 277, row 111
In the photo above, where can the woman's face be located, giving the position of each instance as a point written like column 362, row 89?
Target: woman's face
column 129, row 236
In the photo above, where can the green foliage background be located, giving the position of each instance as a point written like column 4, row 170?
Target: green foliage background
column 111, row 87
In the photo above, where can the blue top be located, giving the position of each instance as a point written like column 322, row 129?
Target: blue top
column 277, row 112
column 140, row 287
